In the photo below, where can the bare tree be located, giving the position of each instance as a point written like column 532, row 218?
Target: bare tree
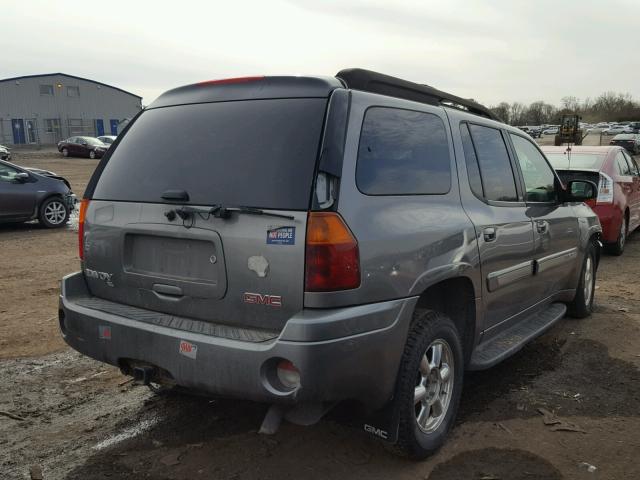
column 502, row 111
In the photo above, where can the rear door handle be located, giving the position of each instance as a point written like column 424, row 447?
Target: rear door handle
column 489, row 234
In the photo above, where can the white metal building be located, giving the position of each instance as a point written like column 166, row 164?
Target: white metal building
column 43, row 109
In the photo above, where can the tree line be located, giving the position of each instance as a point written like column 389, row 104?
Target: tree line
column 608, row 107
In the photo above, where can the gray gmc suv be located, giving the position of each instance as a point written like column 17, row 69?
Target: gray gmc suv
column 301, row 241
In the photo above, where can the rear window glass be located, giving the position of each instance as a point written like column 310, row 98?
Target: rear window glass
column 258, row 153
column 575, row 161
column 403, row 152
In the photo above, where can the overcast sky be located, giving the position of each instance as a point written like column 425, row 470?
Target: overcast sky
column 487, row 50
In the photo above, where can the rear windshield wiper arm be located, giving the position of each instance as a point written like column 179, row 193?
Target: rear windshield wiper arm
column 225, row 212
column 220, row 211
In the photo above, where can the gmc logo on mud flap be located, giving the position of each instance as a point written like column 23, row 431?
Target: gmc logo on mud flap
column 376, row 431
column 259, row 299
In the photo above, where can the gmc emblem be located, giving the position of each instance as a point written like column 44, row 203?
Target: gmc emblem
column 259, row 299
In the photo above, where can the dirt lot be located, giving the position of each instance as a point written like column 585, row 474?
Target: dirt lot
column 78, row 420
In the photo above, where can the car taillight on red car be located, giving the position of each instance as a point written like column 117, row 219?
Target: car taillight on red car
column 332, row 256
column 84, row 204
column 605, row 189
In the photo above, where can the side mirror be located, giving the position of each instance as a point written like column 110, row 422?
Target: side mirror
column 84, row 144
column 580, row 191
column 21, row 176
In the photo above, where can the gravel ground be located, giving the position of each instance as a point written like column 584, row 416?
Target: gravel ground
column 79, row 419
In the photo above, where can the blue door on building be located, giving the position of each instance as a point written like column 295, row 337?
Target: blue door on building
column 114, row 126
column 99, row 127
column 17, row 125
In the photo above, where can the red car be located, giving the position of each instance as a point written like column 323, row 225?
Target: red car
column 618, row 178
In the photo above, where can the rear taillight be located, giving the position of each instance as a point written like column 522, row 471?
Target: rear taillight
column 84, row 204
column 332, row 258
column 605, row 189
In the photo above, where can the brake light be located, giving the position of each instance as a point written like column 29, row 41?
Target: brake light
column 226, row 81
column 332, row 256
column 84, row 204
column 605, row 189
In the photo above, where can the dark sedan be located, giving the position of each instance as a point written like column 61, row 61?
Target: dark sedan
column 26, row 195
column 82, row 147
column 630, row 142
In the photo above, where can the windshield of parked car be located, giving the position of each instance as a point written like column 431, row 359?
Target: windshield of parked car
column 625, row 136
column 576, row 161
column 254, row 153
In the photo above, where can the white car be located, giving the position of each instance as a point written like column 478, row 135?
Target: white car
column 5, row 154
column 616, row 129
column 550, row 131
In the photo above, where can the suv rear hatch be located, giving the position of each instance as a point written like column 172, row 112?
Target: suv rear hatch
column 164, row 231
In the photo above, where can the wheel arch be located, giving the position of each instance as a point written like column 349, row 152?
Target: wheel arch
column 45, row 196
column 596, row 239
column 456, row 298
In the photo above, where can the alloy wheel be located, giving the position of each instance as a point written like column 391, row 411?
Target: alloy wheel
column 434, row 386
column 55, row 213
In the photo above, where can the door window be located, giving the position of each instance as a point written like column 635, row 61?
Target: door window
column 539, row 179
column 403, row 152
column 496, row 174
column 7, row 173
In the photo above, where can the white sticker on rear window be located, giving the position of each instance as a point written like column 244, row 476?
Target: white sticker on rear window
column 188, row 349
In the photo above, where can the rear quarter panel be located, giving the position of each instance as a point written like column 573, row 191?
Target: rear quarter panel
column 406, row 242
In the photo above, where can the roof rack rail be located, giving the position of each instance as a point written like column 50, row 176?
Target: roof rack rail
column 374, row 82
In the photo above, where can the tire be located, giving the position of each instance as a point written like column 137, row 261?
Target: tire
column 65, row 152
column 53, row 213
column 92, row 154
column 617, row 248
column 422, row 390
column 582, row 304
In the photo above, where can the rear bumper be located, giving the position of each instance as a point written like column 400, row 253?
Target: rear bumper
column 345, row 353
column 610, row 219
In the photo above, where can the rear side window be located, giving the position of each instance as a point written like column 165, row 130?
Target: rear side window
column 623, row 166
column 473, row 171
column 254, row 153
column 632, row 163
column 495, row 167
column 403, row 152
